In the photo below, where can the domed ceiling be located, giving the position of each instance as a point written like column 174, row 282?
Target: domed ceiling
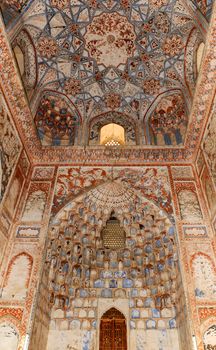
column 93, row 62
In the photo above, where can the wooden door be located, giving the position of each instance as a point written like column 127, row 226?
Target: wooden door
column 113, row 334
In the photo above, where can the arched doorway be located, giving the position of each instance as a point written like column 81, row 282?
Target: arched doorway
column 113, row 331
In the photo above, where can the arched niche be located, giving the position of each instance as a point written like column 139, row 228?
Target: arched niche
column 77, row 230
column 209, row 338
column 8, row 336
column 199, row 55
column 57, row 120
column 129, row 125
column 34, row 206
column 204, row 277
column 193, row 53
column 189, row 206
column 25, row 54
column 85, row 275
column 20, row 59
column 166, row 120
column 85, row 279
column 112, row 135
column 18, row 277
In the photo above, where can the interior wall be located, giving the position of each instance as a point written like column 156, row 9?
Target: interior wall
column 174, row 187
column 206, row 167
column 86, row 279
column 27, row 191
column 14, row 166
column 206, row 170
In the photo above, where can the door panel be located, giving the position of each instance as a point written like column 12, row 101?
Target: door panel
column 113, row 334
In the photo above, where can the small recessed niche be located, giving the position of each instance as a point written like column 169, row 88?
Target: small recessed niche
column 112, row 135
column 200, row 51
column 20, row 59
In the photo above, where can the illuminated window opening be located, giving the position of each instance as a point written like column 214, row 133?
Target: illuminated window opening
column 113, row 234
column 112, row 135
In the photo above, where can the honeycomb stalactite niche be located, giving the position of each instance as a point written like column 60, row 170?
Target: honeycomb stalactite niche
column 57, row 121
column 168, row 122
column 86, row 263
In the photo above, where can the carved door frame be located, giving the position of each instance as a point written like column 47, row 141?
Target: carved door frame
column 113, row 330
column 122, row 305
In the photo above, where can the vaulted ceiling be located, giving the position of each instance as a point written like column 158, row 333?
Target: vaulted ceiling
column 87, row 63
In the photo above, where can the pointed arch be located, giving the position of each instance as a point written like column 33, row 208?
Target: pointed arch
column 113, row 330
column 16, row 284
column 57, row 120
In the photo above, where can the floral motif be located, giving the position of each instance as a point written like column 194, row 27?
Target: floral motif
column 59, row 4
column 93, row 3
column 158, row 3
column 151, row 86
column 17, row 5
column 125, row 4
column 73, row 86
column 47, row 47
column 112, row 101
column 110, row 39
column 162, row 22
column 172, row 45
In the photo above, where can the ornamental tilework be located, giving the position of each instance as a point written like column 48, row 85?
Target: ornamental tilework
column 198, row 113
column 146, row 58
column 150, row 182
column 82, row 270
column 75, row 88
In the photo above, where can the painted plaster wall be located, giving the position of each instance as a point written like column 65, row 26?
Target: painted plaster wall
column 138, row 340
column 8, row 337
column 10, row 146
column 28, row 236
column 206, row 274
column 194, row 237
column 206, row 167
